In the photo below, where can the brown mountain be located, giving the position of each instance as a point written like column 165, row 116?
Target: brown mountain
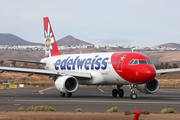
column 10, row 39
column 171, row 45
column 70, row 40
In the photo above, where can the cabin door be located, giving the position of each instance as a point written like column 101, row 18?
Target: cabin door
column 120, row 63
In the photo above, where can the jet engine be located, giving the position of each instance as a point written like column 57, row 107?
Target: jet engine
column 148, row 88
column 66, row 84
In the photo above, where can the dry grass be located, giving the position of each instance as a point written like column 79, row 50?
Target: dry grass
column 82, row 116
column 22, row 78
column 167, row 80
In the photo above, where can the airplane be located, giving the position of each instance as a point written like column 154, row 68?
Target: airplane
column 109, row 68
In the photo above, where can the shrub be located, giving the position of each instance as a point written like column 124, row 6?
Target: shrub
column 52, row 109
column 49, row 108
column 110, row 110
column 37, row 108
column 46, row 108
column 168, row 110
column 78, row 110
column 146, row 112
column 127, row 113
column 113, row 109
column 30, row 108
column 21, row 108
column 41, row 108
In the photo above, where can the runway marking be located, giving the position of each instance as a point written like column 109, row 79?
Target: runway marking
column 88, row 101
column 16, row 104
column 6, row 95
column 101, row 90
column 41, row 91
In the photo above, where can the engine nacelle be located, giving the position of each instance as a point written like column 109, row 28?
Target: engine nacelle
column 66, row 84
column 148, row 88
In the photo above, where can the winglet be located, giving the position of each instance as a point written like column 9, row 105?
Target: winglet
column 51, row 48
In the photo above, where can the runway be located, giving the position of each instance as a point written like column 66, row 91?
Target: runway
column 90, row 99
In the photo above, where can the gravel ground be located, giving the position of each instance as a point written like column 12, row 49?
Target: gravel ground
column 82, row 116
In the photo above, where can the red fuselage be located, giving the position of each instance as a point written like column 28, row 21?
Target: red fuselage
column 134, row 67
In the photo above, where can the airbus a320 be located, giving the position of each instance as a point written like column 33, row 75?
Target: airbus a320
column 109, row 68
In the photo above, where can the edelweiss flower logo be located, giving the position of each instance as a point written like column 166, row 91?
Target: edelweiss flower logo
column 122, row 58
column 49, row 39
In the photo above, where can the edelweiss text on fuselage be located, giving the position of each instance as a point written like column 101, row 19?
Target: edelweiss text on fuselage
column 69, row 63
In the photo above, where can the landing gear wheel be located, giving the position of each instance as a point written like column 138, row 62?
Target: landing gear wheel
column 121, row 93
column 133, row 92
column 62, row 94
column 133, row 96
column 69, row 94
column 114, row 93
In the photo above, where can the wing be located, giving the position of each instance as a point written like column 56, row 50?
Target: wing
column 45, row 72
column 163, row 71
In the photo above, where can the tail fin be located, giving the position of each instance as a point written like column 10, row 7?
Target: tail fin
column 51, row 48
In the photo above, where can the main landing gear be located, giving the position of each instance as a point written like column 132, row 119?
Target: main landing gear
column 118, row 91
column 133, row 94
column 63, row 94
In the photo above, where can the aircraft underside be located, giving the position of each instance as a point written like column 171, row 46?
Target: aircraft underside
column 69, row 84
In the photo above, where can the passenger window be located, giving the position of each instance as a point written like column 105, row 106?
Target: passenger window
column 131, row 62
column 142, row 62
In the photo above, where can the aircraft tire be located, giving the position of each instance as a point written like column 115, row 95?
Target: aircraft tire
column 114, row 93
column 69, row 94
column 62, row 94
column 121, row 93
column 133, row 96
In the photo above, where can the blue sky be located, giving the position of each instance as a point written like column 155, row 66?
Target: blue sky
column 116, row 22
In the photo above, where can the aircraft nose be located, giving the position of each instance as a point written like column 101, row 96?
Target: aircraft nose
column 149, row 73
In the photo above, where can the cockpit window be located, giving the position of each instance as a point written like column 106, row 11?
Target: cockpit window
column 142, row 62
column 149, row 62
column 134, row 62
column 131, row 62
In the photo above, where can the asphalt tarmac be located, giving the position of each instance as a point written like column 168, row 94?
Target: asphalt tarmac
column 90, row 99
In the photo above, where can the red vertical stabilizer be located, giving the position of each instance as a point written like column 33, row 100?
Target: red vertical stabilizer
column 51, row 48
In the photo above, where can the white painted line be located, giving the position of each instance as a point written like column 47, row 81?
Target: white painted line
column 88, row 101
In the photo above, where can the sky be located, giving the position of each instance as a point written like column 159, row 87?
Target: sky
column 109, row 22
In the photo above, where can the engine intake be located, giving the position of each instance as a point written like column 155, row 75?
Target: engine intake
column 149, row 88
column 66, row 84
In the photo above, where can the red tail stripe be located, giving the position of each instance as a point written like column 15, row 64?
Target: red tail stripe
column 54, row 51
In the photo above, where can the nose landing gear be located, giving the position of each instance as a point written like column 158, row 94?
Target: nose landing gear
column 133, row 94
